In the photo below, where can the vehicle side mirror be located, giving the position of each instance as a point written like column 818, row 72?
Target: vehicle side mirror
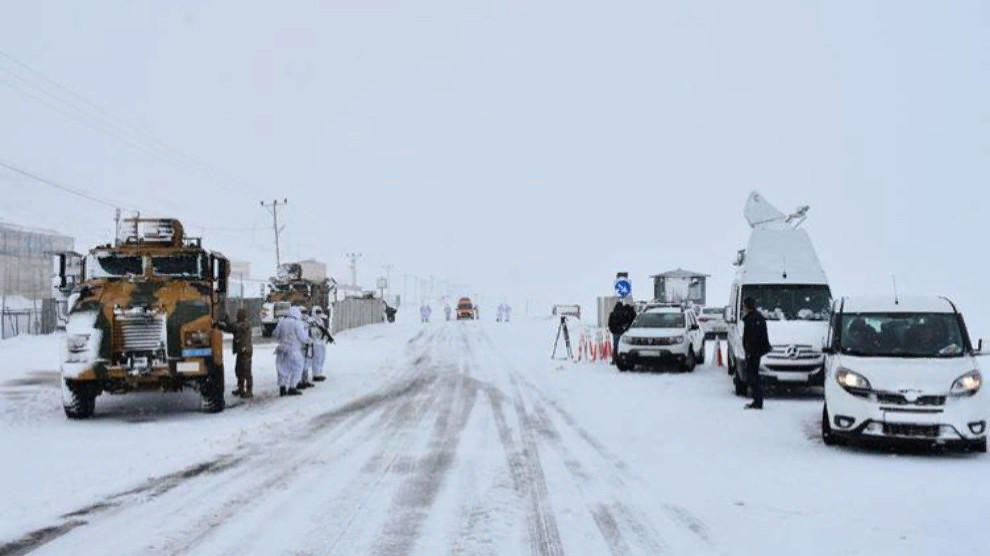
column 828, row 350
column 727, row 315
column 979, row 348
column 59, row 266
column 695, row 327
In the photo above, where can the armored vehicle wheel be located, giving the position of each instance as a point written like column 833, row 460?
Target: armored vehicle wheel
column 78, row 399
column 211, row 391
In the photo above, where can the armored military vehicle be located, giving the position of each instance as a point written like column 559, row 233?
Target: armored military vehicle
column 143, row 314
column 304, row 284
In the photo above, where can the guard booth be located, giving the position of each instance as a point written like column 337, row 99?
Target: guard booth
column 679, row 286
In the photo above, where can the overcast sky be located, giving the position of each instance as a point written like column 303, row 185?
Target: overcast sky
column 529, row 149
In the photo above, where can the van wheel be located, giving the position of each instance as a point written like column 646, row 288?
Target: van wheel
column 78, row 399
column 741, row 388
column 211, row 390
column 827, row 437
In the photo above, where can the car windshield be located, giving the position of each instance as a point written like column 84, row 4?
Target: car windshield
column 659, row 320
column 114, row 266
column 901, row 335
column 790, row 302
column 185, row 266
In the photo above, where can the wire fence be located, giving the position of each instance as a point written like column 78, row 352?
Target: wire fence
column 41, row 319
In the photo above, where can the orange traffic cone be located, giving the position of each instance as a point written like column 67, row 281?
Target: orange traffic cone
column 718, row 351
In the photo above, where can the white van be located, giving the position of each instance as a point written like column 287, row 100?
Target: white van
column 902, row 370
column 780, row 270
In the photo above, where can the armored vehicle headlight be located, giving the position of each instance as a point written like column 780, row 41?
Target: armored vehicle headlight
column 967, row 385
column 77, row 342
column 195, row 338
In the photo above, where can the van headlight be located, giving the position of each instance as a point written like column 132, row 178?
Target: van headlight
column 967, row 385
column 853, row 382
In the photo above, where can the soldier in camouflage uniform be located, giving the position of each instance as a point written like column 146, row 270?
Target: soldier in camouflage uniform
column 244, row 349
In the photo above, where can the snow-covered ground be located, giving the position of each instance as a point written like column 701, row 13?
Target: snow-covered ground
column 462, row 438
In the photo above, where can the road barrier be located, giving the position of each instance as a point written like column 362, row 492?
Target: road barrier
column 594, row 345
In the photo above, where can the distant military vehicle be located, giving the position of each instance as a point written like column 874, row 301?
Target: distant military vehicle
column 143, row 314
column 304, row 284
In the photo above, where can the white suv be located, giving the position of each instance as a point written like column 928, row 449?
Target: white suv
column 662, row 335
column 902, row 370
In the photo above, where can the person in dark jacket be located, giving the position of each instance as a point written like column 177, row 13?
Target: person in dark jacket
column 756, row 344
column 619, row 320
column 244, row 349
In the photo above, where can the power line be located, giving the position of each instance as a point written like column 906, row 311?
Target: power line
column 93, row 116
column 57, row 185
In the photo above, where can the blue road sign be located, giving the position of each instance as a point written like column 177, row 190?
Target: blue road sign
column 623, row 287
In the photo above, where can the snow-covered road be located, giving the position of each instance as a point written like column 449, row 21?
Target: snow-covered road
column 462, row 438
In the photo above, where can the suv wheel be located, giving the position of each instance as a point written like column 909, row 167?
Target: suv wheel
column 78, row 399
column 741, row 388
column 211, row 390
column 691, row 361
column 701, row 356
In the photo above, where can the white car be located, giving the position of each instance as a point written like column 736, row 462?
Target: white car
column 901, row 371
column 662, row 335
column 712, row 321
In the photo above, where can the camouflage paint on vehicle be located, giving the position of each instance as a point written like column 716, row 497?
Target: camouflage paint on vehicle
column 157, row 331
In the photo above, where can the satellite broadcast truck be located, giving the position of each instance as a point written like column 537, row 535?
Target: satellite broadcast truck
column 143, row 315
column 304, row 284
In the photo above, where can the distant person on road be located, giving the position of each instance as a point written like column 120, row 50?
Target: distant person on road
column 293, row 338
column 446, row 311
column 243, row 349
column 390, row 313
column 506, row 312
column 424, row 312
column 477, row 313
column 756, row 344
column 499, row 311
column 319, row 334
column 619, row 320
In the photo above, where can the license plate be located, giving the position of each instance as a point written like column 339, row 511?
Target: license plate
column 649, row 352
column 187, row 367
column 792, row 377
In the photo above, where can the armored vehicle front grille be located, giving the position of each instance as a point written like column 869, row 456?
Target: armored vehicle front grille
column 140, row 332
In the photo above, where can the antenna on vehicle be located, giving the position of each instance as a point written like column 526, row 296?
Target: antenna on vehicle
column 784, row 273
column 893, row 278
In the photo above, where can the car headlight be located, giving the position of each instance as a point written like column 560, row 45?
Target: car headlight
column 677, row 339
column 195, row 338
column 77, row 343
column 967, row 385
column 853, row 382
column 625, row 339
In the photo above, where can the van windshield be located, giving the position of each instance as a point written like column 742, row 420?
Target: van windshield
column 790, row 302
column 901, row 335
column 659, row 320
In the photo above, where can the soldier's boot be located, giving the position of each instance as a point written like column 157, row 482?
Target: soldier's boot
column 293, row 392
column 247, row 395
column 281, row 390
column 319, row 378
column 248, row 387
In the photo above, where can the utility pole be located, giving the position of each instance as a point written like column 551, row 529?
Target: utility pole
column 388, row 276
column 354, row 259
column 273, row 209
column 116, row 226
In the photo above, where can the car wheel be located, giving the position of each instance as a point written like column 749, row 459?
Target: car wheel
column 621, row 365
column 78, row 399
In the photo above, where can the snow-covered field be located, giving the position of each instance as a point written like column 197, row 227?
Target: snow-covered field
column 462, row 438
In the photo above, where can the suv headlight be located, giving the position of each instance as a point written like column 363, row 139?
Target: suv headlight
column 195, row 339
column 77, row 342
column 967, row 385
column 625, row 339
column 677, row 339
column 853, row 382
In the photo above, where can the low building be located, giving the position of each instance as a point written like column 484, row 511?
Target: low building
column 680, row 285
column 26, row 260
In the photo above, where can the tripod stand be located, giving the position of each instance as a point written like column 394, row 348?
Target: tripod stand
column 562, row 329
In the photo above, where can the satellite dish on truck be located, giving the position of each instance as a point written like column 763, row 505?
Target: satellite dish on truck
column 761, row 215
